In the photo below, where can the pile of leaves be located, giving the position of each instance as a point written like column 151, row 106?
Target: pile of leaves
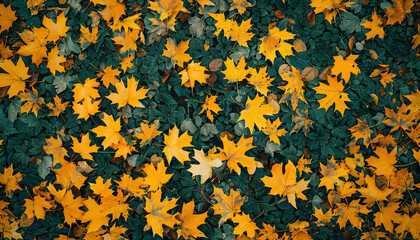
column 218, row 119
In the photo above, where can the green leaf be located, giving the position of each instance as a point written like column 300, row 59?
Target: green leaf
column 44, row 168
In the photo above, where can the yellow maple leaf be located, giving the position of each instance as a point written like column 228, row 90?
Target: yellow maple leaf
column 245, row 224
column 402, row 119
column 127, row 62
column 301, row 121
column 111, row 131
column 167, row 8
column 205, row 166
column 116, row 205
column 177, row 52
column 222, row 24
column 240, row 5
column 275, row 41
column 387, row 215
column 127, row 23
column 210, row 106
column 88, row 108
column 148, row 132
column 83, row 147
column 227, row 205
column 285, row 183
column 95, row 215
column 240, row 33
column 15, row 76
column 322, row 218
column 175, row 144
column 384, row 163
column 190, row 221
column 7, row 17
column 56, row 29
column 33, row 104
column 235, row 73
column 375, row 27
column 361, row 131
column 101, row 187
column 416, row 38
column 350, row 212
column 71, row 207
column 372, row 193
column 58, row 107
column 10, row 181
column 5, row 51
column 331, row 174
column 158, row 213
column 156, row 177
column 87, row 89
column 268, row 232
column 128, row 40
column 345, row 67
column 410, row 224
column 54, row 61
column 398, row 11
column 234, row 154
column 36, row 207
column 294, row 89
column 133, row 186
column 88, row 36
column 68, row 176
column 55, row 148
column 194, row 72
column 335, row 94
column 129, row 95
column 260, row 80
column 123, row 148
column 386, row 77
column 254, row 113
column 109, row 76
column 273, row 130
column 330, row 7
column 35, row 46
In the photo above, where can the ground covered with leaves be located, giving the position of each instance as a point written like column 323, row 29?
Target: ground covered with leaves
column 216, row 119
